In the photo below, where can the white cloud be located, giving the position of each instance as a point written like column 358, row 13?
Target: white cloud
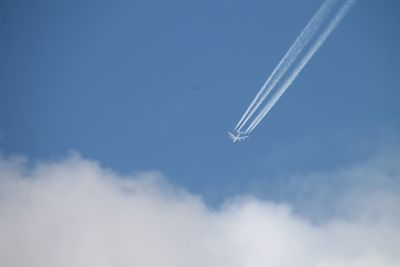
column 75, row 213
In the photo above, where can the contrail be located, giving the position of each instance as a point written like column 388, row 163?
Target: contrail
column 291, row 55
column 321, row 39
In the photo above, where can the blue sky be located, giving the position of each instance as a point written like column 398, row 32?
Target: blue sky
column 144, row 85
column 114, row 148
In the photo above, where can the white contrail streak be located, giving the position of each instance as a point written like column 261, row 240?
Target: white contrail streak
column 321, row 39
column 291, row 55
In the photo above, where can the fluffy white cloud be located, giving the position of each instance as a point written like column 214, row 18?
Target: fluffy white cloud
column 75, row 213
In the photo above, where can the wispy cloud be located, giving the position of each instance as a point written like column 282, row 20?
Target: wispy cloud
column 76, row 213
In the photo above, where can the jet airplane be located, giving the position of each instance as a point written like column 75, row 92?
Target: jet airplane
column 237, row 137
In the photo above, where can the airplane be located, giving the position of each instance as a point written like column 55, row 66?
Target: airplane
column 237, row 137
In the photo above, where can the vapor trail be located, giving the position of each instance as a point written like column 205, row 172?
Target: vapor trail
column 291, row 55
column 321, row 39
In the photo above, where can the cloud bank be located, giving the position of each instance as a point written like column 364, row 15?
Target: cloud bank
column 75, row 213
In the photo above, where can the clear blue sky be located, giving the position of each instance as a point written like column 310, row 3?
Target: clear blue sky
column 144, row 85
